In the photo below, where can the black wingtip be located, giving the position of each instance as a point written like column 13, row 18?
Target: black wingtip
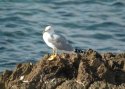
column 76, row 50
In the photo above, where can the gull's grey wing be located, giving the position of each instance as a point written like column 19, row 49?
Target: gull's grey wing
column 60, row 42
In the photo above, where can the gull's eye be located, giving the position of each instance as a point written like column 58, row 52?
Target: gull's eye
column 48, row 30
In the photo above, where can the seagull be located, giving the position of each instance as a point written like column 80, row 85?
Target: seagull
column 55, row 41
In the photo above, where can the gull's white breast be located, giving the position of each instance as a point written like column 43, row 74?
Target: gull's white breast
column 46, row 37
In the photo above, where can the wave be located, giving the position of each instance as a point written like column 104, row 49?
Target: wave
column 118, row 4
column 106, row 24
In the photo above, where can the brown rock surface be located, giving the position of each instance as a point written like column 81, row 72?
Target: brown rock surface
column 87, row 70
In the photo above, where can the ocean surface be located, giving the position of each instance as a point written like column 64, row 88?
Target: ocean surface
column 96, row 24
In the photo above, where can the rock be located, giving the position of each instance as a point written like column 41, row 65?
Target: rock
column 87, row 70
column 71, row 84
column 84, row 76
column 105, row 85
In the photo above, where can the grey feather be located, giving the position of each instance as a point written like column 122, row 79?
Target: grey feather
column 60, row 42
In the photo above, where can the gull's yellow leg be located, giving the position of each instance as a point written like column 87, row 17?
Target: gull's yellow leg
column 53, row 56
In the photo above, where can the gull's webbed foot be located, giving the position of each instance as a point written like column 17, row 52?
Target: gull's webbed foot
column 52, row 57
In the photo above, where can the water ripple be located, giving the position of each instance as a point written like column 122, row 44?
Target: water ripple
column 87, row 24
column 118, row 4
column 102, row 36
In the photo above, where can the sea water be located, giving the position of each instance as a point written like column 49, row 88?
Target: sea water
column 96, row 24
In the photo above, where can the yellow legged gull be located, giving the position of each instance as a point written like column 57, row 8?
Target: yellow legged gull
column 55, row 41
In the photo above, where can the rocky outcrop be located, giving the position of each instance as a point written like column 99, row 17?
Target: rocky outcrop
column 87, row 70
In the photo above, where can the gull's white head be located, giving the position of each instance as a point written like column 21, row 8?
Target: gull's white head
column 49, row 29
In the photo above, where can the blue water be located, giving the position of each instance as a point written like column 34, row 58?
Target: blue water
column 96, row 24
